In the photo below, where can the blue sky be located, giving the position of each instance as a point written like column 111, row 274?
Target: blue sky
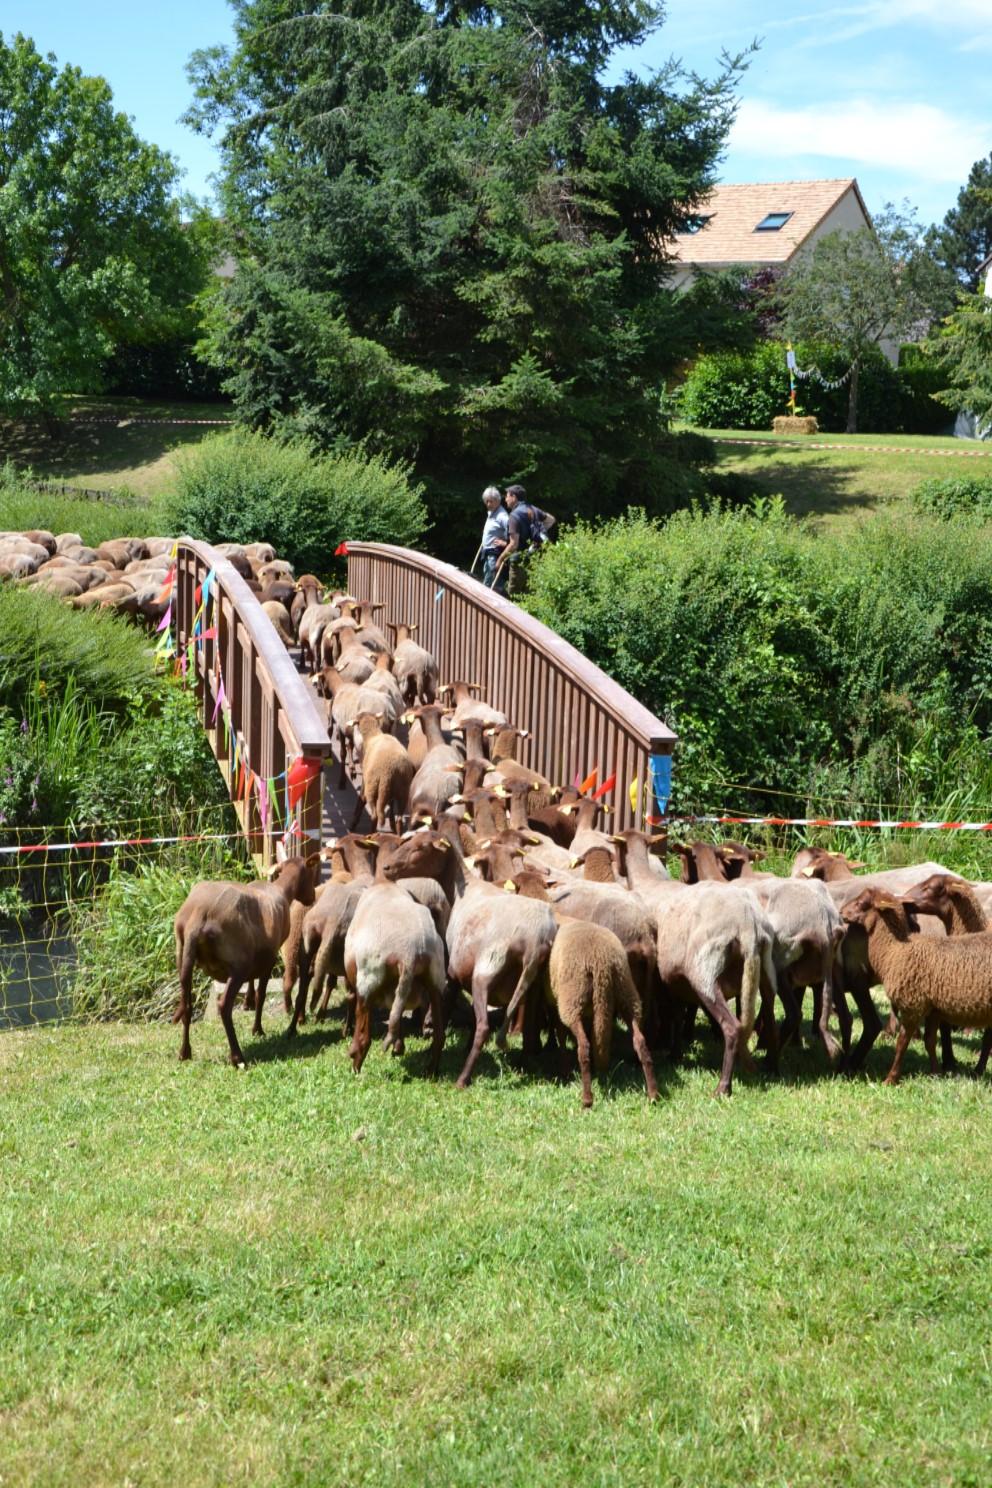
column 895, row 92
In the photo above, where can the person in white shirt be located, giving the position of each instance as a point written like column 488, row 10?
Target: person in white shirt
column 495, row 535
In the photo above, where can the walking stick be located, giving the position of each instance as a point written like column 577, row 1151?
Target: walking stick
column 475, row 560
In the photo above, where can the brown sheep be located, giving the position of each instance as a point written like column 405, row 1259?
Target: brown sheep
column 233, row 932
column 926, row 980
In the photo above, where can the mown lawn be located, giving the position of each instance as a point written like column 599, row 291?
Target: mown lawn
column 289, row 1275
column 108, row 455
column 828, row 483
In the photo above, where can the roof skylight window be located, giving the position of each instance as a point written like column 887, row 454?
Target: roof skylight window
column 773, row 222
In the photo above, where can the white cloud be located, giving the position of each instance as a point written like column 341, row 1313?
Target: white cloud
column 916, row 138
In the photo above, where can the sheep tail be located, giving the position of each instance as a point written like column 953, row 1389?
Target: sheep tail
column 750, row 984
column 602, row 1026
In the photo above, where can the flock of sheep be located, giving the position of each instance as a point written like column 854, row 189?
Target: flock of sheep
column 483, row 894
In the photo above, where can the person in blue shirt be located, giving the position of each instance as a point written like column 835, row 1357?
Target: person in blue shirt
column 495, row 535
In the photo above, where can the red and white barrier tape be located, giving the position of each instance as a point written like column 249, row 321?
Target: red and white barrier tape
column 871, row 449
column 47, row 847
column 126, row 418
column 823, row 821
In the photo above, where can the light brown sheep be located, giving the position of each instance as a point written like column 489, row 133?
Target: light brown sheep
column 233, row 932
column 926, row 980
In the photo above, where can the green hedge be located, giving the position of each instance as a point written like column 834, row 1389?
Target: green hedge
column 247, row 487
column 919, row 379
column 746, row 390
column 857, row 662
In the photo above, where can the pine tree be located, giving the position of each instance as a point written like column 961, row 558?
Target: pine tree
column 447, row 223
column 964, row 240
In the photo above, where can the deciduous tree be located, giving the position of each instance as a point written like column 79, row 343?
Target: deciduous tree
column 855, row 289
column 91, row 244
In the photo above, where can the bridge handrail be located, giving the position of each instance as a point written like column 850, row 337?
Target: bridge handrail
column 578, row 715
column 274, row 716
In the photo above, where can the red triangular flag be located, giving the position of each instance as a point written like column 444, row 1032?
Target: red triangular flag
column 341, row 551
column 607, row 785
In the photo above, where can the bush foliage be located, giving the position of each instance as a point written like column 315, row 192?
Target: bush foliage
column 246, row 487
column 955, row 496
column 747, row 389
column 89, row 731
column 850, row 664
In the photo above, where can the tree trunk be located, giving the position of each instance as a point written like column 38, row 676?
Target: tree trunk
column 852, row 398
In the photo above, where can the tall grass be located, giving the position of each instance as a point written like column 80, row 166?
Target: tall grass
column 117, row 514
column 124, row 937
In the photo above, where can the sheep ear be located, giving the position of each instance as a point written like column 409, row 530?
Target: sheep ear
column 314, row 859
column 566, row 810
column 574, row 862
column 887, row 904
column 602, row 807
column 281, row 854
column 470, row 862
column 534, row 841
column 443, row 842
column 510, row 886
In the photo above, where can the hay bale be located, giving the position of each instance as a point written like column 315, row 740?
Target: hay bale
column 788, row 424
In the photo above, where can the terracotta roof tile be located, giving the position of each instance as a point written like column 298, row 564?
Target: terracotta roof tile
column 733, row 213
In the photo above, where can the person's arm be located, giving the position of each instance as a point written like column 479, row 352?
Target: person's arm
column 513, row 543
column 549, row 522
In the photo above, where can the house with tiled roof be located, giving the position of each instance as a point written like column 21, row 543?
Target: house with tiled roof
column 763, row 225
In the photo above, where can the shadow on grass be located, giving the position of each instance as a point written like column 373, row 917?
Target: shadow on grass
column 81, row 451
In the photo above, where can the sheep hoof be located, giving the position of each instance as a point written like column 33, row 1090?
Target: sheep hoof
column 501, row 1039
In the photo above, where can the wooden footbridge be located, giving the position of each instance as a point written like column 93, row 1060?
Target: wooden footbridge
column 268, row 730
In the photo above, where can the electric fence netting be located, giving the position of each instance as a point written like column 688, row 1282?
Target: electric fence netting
column 86, row 916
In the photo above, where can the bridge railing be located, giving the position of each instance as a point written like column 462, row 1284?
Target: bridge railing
column 578, row 717
column 260, row 715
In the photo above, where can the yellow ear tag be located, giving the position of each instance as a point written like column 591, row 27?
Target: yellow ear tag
column 510, row 886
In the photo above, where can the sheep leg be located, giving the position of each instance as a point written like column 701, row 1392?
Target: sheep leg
column 356, row 815
column 983, row 1056
column 734, row 1037
column 578, row 1032
column 906, row 1035
column 644, row 1055
column 871, row 1023
column 948, row 1059
column 184, row 1012
column 768, row 1016
column 480, row 1006
column 363, row 1035
column 930, row 1027
column 300, row 1010
column 263, row 980
column 225, row 1006
column 527, row 976
column 437, row 1034
column 394, row 1027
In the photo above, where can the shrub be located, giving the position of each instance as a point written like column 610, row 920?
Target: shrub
column 919, row 379
column 955, row 495
column 43, row 640
column 850, row 663
column 746, row 390
column 246, row 487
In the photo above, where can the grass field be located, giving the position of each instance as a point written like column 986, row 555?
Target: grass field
column 290, row 1275
column 99, row 455
column 827, row 483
